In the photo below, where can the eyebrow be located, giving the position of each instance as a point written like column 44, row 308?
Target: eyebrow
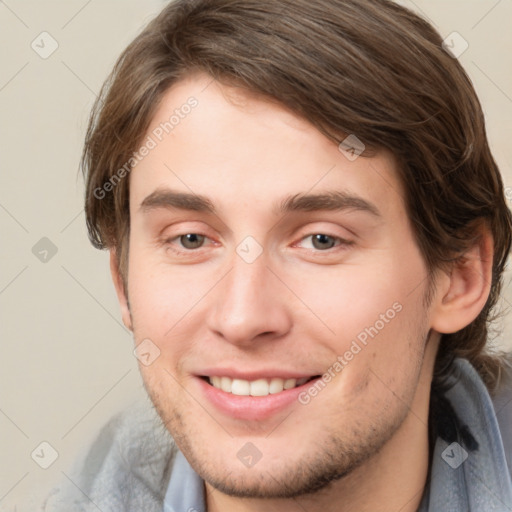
column 332, row 201
column 329, row 201
column 181, row 200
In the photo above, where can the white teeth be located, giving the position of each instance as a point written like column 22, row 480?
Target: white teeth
column 276, row 385
column 260, row 387
column 240, row 387
column 225, row 384
column 289, row 383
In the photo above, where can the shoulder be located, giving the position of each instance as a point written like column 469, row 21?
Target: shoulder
column 126, row 468
column 502, row 401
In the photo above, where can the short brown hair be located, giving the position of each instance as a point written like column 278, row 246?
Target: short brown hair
column 364, row 67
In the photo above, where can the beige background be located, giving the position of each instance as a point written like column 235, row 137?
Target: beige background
column 66, row 361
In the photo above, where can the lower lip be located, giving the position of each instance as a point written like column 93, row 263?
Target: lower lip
column 252, row 408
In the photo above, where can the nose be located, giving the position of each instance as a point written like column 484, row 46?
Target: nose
column 250, row 304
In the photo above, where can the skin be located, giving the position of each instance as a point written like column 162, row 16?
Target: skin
column 361, row 444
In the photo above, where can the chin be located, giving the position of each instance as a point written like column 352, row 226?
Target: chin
column 325, row 462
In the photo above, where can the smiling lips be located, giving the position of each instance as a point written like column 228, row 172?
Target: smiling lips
column 258, row 397
column 259, row 387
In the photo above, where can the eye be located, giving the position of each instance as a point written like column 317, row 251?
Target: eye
column 191, row 240
column 322, row 242
column 187, row 247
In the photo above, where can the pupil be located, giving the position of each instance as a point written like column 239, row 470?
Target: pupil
column 323, row 241
column 192, row 240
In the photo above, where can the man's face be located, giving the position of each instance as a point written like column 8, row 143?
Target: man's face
column 260, row 257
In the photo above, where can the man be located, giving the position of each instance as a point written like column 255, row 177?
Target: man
column 307, row 234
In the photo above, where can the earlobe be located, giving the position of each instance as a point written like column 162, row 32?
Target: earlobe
column 463, row 292
column 120, row 290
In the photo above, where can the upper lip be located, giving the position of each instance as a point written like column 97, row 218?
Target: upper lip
column 251, row 375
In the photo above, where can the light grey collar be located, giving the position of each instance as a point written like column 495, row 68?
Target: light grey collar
column 465, row 480
column 186, row 489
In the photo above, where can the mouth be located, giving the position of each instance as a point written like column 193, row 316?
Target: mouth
column 256, row 388
column 253, row 395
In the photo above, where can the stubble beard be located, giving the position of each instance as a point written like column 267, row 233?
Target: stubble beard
column 330, row 459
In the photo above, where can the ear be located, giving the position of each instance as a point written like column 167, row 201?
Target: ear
column 463, row 292
column 120, row 290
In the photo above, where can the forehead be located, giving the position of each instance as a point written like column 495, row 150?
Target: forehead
column 227, row 144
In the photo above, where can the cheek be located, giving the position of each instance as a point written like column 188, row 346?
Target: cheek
column 372, row 317
column 160, row 297
column 351, row 299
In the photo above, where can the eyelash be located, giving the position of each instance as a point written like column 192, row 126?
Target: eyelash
column 170, row 243
column 342, row 242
